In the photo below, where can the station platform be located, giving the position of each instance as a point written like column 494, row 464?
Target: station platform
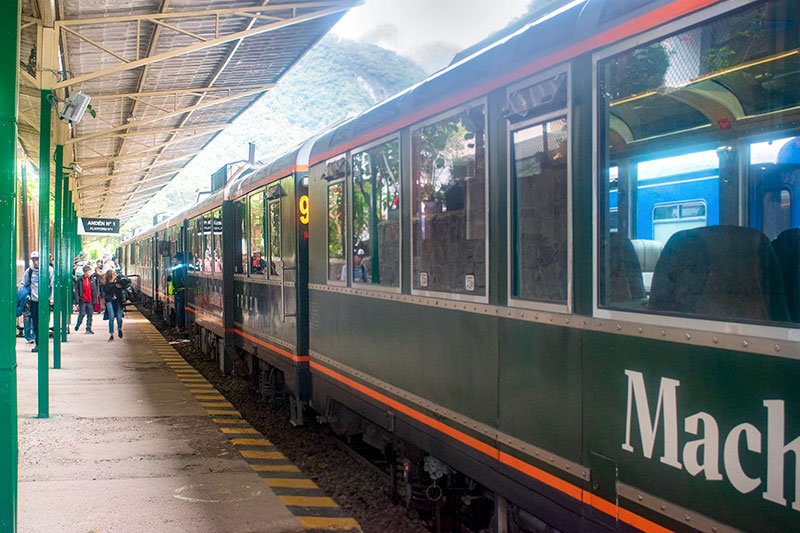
column 137, row 440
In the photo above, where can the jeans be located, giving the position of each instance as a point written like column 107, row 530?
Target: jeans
column 27, row 328
column 180, row 309
column 85, row 309
column 114, row 310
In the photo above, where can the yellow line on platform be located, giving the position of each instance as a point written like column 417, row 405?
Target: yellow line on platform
column 249, row 431
column 258, row 454
column 322, row 522
column 309, row 501
column 216, row 404
column 219, row 412
column 290, row 482
column 275, row 468
column 251, row 442
column 228, row 421
column 209, row 396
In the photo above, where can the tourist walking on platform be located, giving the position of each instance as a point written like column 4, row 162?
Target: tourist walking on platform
column 31, row 281
column 114, row 292
column 179, row 290
column 87, row 294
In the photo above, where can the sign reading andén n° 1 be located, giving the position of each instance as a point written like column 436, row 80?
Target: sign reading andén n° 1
column 98, row 226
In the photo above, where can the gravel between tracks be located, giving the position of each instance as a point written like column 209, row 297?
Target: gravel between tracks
column 358, row 489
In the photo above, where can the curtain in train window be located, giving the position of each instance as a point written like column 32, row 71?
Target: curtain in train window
column 275, row 259
column 540, row 210
column 699, row 161
column 217, row 230
column 376, row 215
column 208, row 243
column 449, row 204
column 337, row 265
column 258, row 265
column 240, row 237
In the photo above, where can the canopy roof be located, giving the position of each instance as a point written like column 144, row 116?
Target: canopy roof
column 164, row 77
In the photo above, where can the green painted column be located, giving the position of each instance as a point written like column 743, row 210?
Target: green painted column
column 67, row 255
column 58, row 278
column 9, row 65
column 43, row 335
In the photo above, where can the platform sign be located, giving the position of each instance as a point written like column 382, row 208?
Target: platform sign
column 98, row 226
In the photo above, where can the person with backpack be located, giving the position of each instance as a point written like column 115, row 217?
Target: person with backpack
column 31, row 281
column 114, row 290
column 87, row 294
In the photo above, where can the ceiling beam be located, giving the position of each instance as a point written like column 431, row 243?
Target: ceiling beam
column 181, row 92
column 203, row 45
column 100, row 161
column 139, row 122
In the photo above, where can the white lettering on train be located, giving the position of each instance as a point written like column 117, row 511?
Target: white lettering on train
column 702, row 455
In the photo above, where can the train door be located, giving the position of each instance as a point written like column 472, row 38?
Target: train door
column 774, row 183
column 281, row 243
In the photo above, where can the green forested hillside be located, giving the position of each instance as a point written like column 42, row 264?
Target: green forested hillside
column 337, row 78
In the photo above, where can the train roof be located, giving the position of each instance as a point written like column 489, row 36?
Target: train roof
column 544, row 42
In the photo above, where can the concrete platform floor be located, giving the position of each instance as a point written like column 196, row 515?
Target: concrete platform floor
column 127, row 447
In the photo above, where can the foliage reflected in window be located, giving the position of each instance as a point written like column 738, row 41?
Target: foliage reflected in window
column 217, row 227
column 274, row 211
column 208, row 243
column 376, row 215
column 686, row 226
column 449, row 204
column 336, row 244
column 240, row 237
column 540, row 212
column 258, row 265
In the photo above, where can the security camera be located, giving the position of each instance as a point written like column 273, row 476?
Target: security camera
column 75, row 107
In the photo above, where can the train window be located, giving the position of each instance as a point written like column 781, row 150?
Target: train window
column 217, row 248
column 698, row 169
column 258, row 265
column 337, row 265
column 376, row 215
column 191, row 241
column 208, row 243
column 240, row 237
column 540, row 211
column 448, row 160
column 274, row 215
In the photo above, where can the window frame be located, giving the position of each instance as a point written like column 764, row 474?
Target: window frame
column 240, row 202
column 782, row 333
column 268, row 203
column 263, row 192
column 511, row 128
column 345, row 226
column 409, row 152
column 349, row 199
column 214, row 242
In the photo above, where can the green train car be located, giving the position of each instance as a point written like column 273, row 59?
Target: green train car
column 481, row 295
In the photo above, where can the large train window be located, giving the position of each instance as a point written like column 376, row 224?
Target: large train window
column 240, row 237
column 699, row 163
column 448, row 168
column 376, row 215
column 216, row 215
column 208, row 243
column 192, row 243
column 258, row 265
column 539, row 192
column 274, row 237
column 337, row 265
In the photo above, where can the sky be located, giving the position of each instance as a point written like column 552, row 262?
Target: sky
column 427, row 31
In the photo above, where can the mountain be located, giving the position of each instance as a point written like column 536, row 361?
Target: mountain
column 336, row 79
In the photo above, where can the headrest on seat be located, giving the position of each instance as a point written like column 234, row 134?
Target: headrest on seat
column 787, row 250
column 648, row 253
column 720, row 272
column 625, row 271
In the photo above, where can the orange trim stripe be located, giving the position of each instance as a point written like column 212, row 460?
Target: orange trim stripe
column 643, row 23
column 538, row 474
column 295, row 358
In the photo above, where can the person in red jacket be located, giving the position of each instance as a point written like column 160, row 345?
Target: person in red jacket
column 87, row 294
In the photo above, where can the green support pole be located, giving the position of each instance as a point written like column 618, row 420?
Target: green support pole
column 58, row 278
column 43, row 335
column 9, row 64
column 67, row 255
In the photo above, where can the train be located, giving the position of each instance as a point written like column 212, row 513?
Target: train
column 556, row 285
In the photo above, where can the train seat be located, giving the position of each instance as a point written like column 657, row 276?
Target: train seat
column 787, row 249
column 648, row 253
column 720, row 272
column 626, row 283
